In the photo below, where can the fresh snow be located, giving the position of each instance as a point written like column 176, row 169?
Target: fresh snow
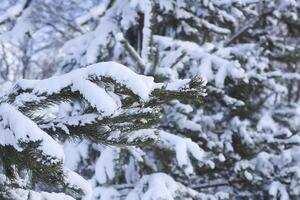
column 99, row 98
column 77, row 181
column 22, row 129
column 105, row 165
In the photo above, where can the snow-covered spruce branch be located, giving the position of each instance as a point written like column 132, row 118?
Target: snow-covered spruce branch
column 199, row 23
column 118, row 106
column 149, row 58
column 290, row 56
column 131, row 52
column 248, row 26
column 23, row 146
column 119, row 129
column 104, row 90
column 149, row 51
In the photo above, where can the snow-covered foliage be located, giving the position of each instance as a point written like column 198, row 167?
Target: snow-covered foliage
column 115, row 106
column 242, row 142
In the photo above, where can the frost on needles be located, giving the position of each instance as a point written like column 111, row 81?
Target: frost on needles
column 115, row 106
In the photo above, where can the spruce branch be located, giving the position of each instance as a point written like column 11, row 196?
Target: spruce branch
column 178, row 59
column 194, row 90
column 248, row 26
column 133, row 122
column 199, row 23
column 100, row 130
column 289, row 56
column 131, row 52
column 137, row 114
column 42, row 166
column 43, row 170
column 149, row 51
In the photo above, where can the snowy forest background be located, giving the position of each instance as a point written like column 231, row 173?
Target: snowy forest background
column 149, row 99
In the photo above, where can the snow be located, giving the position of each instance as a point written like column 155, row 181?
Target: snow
column 263, row 164
column 261, row 146
column 13, row 11
column 137, row 153
column 21, row 128
column 221, row 157
column 147, row 6
column 158, row 186
column 62, row 122
column 97, row 38
column 26, row 97
column 22, row 26
column 129, row 13
column 208, row 62
column 77, row 120
column 102, row 101
column 21, row 194
column 105, row 169
column 266, row 123
column 119, row 36
column 74, row 152
column 75, row 180
column 278, row 189
column 105, row 102
column 89, row 44
column 178, row 84
column 183, row 148
column 76, row 47
column 248, row 176
column 166, row 5
column 139, row 84
column 49, row 196
column 106, row 193
column 15, row 128
column 143, row 135
column 94, row 13
column 214, row 28
column 159, row 182
column 206, row 69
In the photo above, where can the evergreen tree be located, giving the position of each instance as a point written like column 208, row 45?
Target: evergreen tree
column 241, row 143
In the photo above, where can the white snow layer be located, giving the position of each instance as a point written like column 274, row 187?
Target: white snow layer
column 15, row 128
column 76, row 181
column 21, row 128
column 159, row 186
column 78, row 81
column 105, row 169
column 211, row 67
column 106, row 193
column 178, row 84
column 21, row 194
column 184, row 148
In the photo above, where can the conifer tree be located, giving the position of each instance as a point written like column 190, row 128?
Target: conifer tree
column 241, row 143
